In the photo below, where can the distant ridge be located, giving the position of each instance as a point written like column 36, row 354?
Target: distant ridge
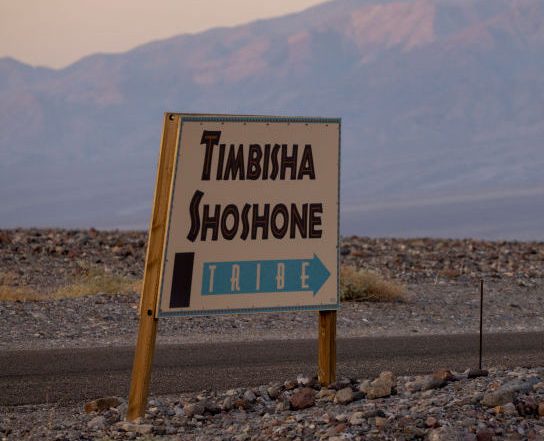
column 439, row 100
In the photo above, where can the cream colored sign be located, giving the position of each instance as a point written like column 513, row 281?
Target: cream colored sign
column 253, row 219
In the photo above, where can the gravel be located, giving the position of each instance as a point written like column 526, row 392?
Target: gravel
column 454, row 409
column 442, row 279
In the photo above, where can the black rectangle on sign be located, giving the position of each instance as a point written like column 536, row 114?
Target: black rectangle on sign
column 180, row 295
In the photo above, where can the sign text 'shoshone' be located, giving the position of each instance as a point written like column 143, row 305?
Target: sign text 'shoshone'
column 273, row 161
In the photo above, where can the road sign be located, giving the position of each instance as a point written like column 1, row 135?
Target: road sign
column 245, row 219
column 252, row 223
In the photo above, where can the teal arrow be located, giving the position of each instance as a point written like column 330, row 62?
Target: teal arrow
column 264, row 276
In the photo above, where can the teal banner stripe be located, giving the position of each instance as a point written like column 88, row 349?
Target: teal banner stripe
column 263, row 276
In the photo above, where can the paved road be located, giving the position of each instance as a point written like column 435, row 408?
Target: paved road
column 69, row 375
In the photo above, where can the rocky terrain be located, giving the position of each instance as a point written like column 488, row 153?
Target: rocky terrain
column 46, row 259
column 442, row 280
column 443, row 406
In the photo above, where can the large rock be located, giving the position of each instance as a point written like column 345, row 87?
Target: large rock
column 507, row 392
column 499, row 397
column 381, row 387
column 344, row 396
column 423, row 383
column 102, row 404
column 303, row 398
column 443, row 375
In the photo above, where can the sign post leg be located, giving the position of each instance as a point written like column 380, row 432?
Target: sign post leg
column 147, row 332
column 141, row 370
column 327, row 347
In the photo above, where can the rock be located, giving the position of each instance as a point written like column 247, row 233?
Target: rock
column 476, row 398
column 507, row 392
column 380, row 422
column 498, row 397
column 433, row 383
column 423, row 383
column 356, row 419
column 193, row 409
column 122, row 409
column 444, row 375
column 212, row 407
column 227, row 404
column 344, row 396
column 526, row 406
column 4, row 238
column 345, row 251
column 538, row 386
column 381, row 386
column 249, row 396
column 475, row 373
column 283, row 404
column 340, row 427
column 510, row 409
column 303, row 398
column 431, row 421
column 325, row 393
column 240, row 403
column 341, row 417
column 142, row 429
column 484, row 435
column 304, row 380
column 273, row 392
column 541, row 409
column 364, row 386
column 97, row 423
column 445, row 434
column 263, row 393
column 102, row 404
column 290, row 384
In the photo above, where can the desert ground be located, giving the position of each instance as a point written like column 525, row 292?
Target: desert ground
column 79, row 288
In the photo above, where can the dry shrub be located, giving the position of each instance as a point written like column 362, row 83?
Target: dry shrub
column 97, row 281
column 11, row 291
column 91, row 281
column 367, row 286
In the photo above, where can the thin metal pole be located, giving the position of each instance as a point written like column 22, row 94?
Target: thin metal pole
column 481, row 320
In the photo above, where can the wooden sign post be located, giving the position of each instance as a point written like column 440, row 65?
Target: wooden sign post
column 147, row 331
column 326, row 358
column 245, row 219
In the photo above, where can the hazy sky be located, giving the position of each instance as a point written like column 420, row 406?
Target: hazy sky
column 56, row 33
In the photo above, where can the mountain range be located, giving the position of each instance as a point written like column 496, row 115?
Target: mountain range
column 442, row 107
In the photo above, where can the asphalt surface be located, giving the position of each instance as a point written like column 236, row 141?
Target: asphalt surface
column 73, row 375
